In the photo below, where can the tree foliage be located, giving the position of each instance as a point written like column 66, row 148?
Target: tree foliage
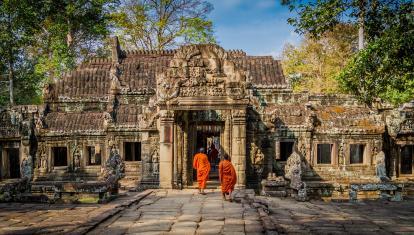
column 314, row 64
column 18, row 22
column 41, row 39
column 385, row 67
column 72, row 31
column 161, row 24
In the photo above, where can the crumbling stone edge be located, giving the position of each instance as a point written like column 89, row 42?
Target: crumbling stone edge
column 261, row 204
column 92, row 224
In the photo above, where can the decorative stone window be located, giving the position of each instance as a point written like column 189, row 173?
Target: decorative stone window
column 406, row 160
column 356, row 153
column 324, row 153
column 132, row 151
column 60, row 156
column 94, row 155
column 285, row 150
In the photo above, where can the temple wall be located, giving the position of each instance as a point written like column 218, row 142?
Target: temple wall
column 139, row 103
column 295, row 118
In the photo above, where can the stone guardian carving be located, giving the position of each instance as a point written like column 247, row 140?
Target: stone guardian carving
column 26, row 167
column 114, row 169
column 293, row 172
column 380, row 168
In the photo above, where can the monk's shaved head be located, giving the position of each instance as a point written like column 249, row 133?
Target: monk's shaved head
column 201, row 150
column 226, row 156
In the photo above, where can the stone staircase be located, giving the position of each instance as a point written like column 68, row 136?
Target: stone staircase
column 132, row 176
column 211, row 184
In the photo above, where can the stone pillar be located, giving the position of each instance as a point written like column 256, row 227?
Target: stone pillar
column 146, row 157
column 227, row 134
column 186, row 165
column 238, row 146
column 166, row 148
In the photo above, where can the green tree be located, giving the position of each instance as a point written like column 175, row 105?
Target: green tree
column 41, row 39
column 385, row 67
column 161, row 24
column 314, row 64
column 72, row 31
column 18, row 24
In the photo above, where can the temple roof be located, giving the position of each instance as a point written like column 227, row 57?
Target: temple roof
column 138, row 71
column 59, row 122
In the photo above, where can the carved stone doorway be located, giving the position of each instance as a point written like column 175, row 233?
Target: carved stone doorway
column 209, row 135
column 178, row 142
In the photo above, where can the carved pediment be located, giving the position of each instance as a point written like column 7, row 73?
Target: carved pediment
column 201, row 70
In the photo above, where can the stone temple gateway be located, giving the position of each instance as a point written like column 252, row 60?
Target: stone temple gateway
column 157, row 107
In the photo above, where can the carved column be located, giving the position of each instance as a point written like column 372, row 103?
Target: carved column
column 238, row 146
column 227, row 134
column 166, row 148
column 146, row 150
column 186, row 175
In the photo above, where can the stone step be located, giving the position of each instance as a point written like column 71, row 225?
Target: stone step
column 210, row 185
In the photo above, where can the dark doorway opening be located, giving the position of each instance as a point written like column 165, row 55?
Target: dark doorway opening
column 286, row 149
column 60, row 156
column 407, row 159
column 14, row 163
column 132, row 151
column 208, row 137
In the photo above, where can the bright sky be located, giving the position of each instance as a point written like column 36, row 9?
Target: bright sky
column 259, row 27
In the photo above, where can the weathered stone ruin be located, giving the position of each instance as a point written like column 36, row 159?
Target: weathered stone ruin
column 153, row 109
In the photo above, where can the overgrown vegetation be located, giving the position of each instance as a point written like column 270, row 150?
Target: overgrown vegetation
column 42, row 39
column 314, row 64
column 384, row 66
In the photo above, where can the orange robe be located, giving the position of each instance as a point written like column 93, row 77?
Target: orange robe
column 227, row 175
column 202, row 165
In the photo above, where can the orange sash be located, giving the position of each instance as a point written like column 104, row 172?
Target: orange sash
column 202, row 165
column 227, row 175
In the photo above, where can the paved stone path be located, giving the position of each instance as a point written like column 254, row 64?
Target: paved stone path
column 184, row 212
column 30, row 218
column 317, row 217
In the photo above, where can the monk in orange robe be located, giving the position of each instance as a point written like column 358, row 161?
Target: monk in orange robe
column 228, row 177
column 202, row 165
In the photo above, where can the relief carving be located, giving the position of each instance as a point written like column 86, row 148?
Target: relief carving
column 257, row 158
column 115, row 83
column 41, row 158
column 155, row 161
column 394, row 123
column 197, row 70
column 77, row 155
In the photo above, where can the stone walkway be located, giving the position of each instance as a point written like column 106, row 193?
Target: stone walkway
column 184, row 212
column 317, row 217
column 30, row 218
